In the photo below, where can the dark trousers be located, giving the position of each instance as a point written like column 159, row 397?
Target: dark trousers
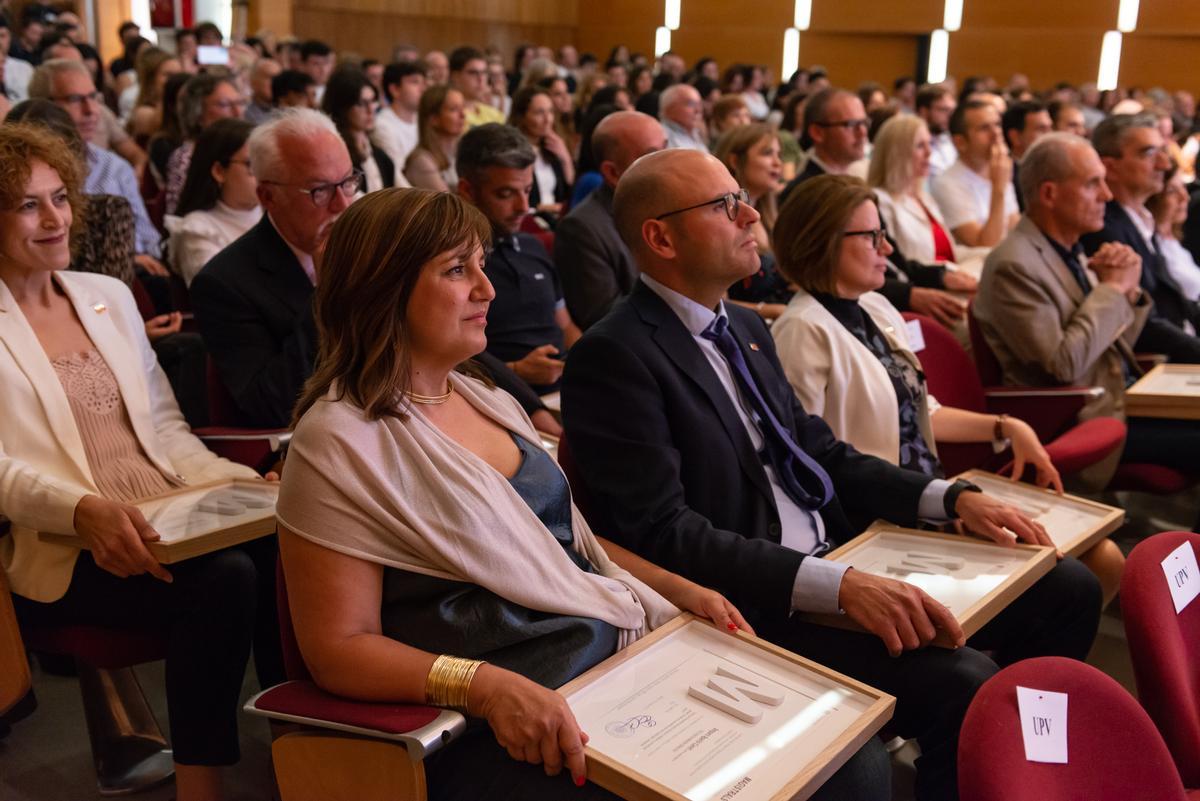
column 1172, row 443
column 1160, row 336
column 476, row 767
column 1058, row 616
column 207, row 616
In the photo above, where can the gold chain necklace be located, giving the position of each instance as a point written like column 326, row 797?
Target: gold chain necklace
column 431, row 400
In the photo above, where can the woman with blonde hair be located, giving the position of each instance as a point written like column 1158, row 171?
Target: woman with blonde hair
column 845, row 348
column 441, row 120
column 154, row 66
column 751, row 153
column 431, row 548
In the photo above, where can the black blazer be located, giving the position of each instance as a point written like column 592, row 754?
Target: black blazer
column 562, row 190
column 593, row 263
column 671, row 471
column 387, row 170
column 253, row 305
column 1171, row 308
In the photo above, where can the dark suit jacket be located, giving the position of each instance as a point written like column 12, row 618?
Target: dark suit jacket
column 1163, row 332
column 903, row 274
column 671, row 471
column 253, row 305
column 593, row 263
column 387, row 170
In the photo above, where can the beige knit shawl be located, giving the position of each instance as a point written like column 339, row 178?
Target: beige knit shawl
column 403, row 494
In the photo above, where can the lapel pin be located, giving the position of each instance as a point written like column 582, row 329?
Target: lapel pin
column 99, row 308
column 753, row 346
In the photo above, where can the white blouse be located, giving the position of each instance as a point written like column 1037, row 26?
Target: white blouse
column 202, row 234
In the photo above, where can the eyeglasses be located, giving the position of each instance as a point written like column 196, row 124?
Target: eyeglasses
column 365, row 103
column 244, row 162
column 849, row 125
column 877, row 235
column 732, row 201
column 229, row 105
column 321, row 195
column 475, row 73
column 79, row 100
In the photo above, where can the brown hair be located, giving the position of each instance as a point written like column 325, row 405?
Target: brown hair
column 808, row 234
column 25, row 142
column 370, row 265
column 734, row 145
column 430, row 107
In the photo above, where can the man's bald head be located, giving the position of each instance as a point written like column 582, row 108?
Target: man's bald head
column 681, row 104
column 622, row 138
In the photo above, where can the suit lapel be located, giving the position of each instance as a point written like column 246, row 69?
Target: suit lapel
column 288, row 278
column 27, row 352
column 1054, row 262
column 678, row 345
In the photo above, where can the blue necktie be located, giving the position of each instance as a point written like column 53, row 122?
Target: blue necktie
column 805, row 481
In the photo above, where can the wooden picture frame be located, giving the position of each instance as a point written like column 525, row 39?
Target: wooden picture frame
column 553, row 402
column 694, row 751
column 1169, row 390
column 973, row 604
column 210, row 513
column 1057, row 513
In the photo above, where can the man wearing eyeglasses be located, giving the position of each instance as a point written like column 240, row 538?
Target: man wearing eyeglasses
column 253, row 301
column 469, row 75
column 835, row 131
column 696, row 455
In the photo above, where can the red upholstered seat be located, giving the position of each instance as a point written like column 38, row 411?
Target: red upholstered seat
column 305, row 700
column 1165, row 648
column 1114, row 751
column 953, row 380
column 253, row 447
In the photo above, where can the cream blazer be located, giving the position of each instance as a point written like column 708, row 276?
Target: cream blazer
column 908, row 225
column 839, row 379
column 43, row 467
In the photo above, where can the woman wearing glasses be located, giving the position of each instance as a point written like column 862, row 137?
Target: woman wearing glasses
column 422, row 526
column 203, row 100
column 219, row 201
column 441, row 120
column 350, row 100
column 847, row 353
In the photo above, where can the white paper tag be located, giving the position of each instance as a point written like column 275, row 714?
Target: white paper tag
column 916, row 339
column 1043, row 724
column 1183, row 577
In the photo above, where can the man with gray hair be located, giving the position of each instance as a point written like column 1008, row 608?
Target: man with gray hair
column 681, row 112
column 253, row 300
column 528, row 325
column 1053, row 316
column 1136, row 162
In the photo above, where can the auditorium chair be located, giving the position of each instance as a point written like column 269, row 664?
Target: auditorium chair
column 128, row 748
column 952, row 379
column 1135, row 477
column 1165, row 648
column 337, row 749
column 1114, row 752
column 259, row 448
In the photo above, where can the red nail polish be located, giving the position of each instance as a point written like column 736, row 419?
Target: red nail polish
column 580, row 781
column 731, row 626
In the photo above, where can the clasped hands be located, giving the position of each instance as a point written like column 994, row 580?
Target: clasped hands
column 904, row 616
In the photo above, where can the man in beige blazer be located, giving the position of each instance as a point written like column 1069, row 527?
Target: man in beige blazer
column 1050, row 321
column 1053, row 317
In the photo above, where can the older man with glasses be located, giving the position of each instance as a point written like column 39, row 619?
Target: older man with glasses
column 253, row 300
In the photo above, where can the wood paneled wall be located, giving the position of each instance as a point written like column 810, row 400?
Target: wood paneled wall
column 855, row 39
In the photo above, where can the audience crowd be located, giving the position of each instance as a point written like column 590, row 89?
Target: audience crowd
column 414, row 262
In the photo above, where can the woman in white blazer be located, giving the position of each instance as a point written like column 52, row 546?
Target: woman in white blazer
column 847, row 354
column 90, row 424
column 898, row 171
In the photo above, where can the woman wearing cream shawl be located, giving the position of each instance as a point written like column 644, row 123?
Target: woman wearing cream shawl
column 404, row 474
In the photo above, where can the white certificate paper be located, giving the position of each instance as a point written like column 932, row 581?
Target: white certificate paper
column 1066, row 520
column 642, row 715
column 184, row 515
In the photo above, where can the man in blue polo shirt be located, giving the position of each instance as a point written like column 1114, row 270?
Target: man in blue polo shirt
column 528, row 325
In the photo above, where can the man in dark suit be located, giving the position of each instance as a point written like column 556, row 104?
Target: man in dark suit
column 1135, row 162
column 593, row 263
column 696, row 455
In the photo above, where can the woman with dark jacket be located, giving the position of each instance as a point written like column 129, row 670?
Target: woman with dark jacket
column 350, row 102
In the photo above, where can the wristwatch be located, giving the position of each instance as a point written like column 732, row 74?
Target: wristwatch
column 950, row 499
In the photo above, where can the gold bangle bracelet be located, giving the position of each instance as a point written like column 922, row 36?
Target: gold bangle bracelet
column 449, row 681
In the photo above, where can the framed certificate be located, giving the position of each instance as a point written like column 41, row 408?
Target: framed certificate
column 1075, row 524
column 1168, row 390
column 203, row 518
column 550, row 443
column 690, row 712
column 974, row 579
column 553, row 402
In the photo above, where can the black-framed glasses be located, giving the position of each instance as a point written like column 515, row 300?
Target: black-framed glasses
column 732, row 201
column 323, row 193
column 78, row 100
column 849, row 125
column 877, row 235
